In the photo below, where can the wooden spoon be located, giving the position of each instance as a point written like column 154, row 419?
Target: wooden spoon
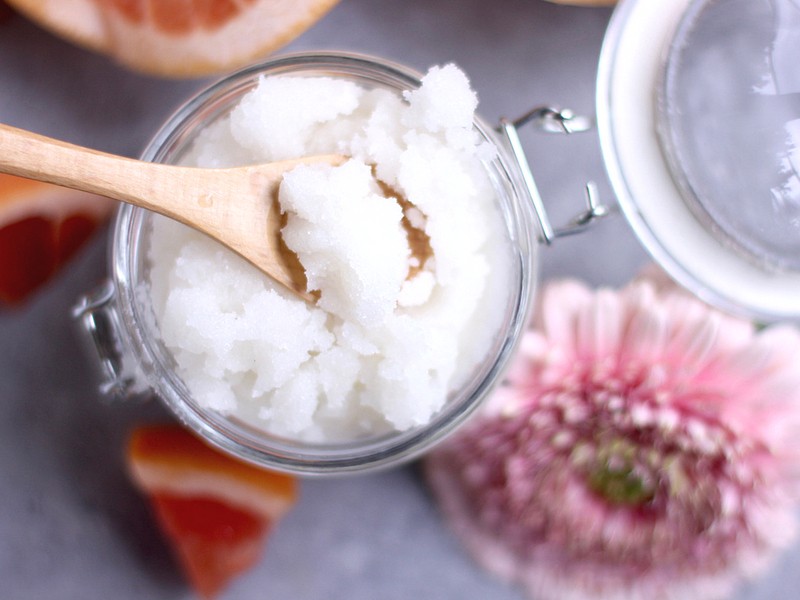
column 237, row 207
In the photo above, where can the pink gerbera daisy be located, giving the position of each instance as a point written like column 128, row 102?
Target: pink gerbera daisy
column 645, row 447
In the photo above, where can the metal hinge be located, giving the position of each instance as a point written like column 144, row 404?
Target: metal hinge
column 553, row 120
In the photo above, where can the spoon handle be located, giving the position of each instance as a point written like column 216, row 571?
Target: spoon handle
column 199, row 198
column 38, row 157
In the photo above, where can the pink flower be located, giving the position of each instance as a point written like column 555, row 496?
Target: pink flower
column 646, row 447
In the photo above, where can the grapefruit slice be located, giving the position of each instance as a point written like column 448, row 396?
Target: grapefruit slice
column 215, row 511
column 178, row 38
column 41, row 227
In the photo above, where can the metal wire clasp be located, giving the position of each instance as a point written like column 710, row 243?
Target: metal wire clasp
column 553, row 120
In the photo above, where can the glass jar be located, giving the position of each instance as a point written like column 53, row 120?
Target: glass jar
column 134, row 360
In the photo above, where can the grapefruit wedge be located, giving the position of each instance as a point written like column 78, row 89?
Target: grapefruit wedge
column 177, row 38
column 215, row 511
column 41, row 227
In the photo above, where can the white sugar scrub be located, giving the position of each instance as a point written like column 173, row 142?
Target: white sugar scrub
column 395, row 332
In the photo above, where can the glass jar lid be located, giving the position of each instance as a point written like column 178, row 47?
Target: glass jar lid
column 729, row 122
column 699, row 120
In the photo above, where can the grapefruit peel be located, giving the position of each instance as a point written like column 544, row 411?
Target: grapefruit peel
column 177, row 38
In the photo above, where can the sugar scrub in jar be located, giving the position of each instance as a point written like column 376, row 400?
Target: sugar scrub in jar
column 417, row 246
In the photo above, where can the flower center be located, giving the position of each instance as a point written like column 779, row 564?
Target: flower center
column 621, row 486
column 618, row 474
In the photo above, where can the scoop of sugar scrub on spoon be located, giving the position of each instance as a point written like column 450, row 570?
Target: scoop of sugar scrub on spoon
column 237, row 206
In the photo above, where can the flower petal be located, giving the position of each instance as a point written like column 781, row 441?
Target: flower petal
column 599, row 326
column 561, row 303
